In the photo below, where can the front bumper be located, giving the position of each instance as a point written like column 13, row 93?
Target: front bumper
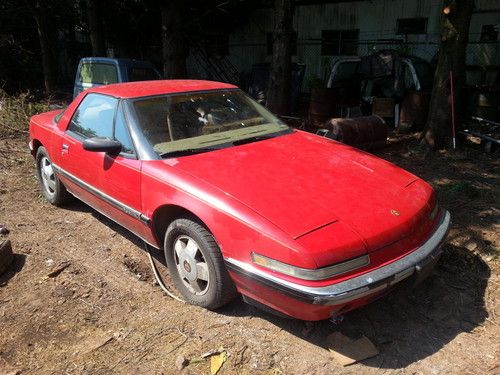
column 419, row 261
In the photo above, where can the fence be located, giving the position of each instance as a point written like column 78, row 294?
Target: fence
column 318, row 67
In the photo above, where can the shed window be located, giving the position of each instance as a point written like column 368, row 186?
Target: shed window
column 339, row 42
column 406, row 26
column 489, row 33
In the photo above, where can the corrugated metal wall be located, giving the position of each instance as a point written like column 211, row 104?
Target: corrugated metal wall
column 375, row 20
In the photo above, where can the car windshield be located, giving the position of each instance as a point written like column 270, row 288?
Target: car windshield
column 199, row 122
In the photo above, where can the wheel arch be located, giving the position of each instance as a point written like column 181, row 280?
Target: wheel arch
column 36, row 144
column 166, row 214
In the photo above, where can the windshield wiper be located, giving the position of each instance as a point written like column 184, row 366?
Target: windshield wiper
column 262, row 137
column 255, row 138
column 187, row 151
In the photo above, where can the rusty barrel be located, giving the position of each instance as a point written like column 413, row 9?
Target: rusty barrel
column 366, row 132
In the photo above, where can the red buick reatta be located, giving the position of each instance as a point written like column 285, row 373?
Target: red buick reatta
column 238, row 201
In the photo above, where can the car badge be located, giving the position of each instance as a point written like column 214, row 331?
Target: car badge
column 395, row 212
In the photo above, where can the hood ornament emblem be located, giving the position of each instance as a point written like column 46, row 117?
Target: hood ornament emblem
column 395, row 212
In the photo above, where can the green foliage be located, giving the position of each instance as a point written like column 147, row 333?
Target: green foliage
column 16, row 111
column 461, row 190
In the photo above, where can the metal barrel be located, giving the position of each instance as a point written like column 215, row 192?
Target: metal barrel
column 366, row 132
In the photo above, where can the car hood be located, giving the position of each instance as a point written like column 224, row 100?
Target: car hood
column 302, row 182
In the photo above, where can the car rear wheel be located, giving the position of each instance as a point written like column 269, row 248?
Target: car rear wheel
column 196, row 265
column 52, row 189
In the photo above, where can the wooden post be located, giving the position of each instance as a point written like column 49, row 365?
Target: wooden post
column 279, row 92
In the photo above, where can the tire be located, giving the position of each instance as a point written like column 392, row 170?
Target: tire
column 52, row 188
column 6, row 255
column 196, row 265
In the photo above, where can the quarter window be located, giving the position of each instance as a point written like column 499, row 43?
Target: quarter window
column 94, row 117
column 121, row 133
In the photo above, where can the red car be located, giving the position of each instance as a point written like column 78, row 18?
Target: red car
column 238, row 201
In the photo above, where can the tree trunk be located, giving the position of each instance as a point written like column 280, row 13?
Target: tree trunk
column 454, row 39
column 96, row 28
column 49, row 67
column 173, row 42
column 278, row 95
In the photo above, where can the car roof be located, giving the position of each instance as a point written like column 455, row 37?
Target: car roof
column 151, row 88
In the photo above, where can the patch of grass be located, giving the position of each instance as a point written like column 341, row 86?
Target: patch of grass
column 16, row 111
column 461, row 190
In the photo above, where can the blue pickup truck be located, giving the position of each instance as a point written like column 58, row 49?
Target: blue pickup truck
column 97, row 71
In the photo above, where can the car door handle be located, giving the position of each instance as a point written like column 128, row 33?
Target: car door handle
column 65, row 147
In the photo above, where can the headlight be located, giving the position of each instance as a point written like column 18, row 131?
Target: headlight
column 309, row 274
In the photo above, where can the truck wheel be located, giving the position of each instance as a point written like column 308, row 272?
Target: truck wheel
column 196, row 265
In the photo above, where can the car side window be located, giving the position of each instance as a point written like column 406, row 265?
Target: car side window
column 122, row 135
column 94, row 117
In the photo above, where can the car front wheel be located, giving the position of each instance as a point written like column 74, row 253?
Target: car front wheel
column 196, row 265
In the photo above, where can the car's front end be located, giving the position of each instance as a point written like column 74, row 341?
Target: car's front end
column 268, row 281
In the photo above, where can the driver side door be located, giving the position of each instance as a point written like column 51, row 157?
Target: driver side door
column 108, row 183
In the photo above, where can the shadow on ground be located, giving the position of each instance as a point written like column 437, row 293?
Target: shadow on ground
column 15, row 267
column 406, row 325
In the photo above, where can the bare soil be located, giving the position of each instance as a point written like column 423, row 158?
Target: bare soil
column 80, row 297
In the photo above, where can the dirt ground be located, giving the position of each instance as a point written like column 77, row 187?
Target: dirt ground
column 104, row 314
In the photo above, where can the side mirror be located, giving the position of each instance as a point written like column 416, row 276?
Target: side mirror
column 102, row 144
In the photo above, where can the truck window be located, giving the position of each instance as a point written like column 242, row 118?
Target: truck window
column 141, row 74
column 98, row 73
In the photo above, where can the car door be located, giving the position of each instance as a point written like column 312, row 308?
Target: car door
column 108, row 183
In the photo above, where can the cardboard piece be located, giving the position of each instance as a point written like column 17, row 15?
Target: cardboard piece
column 348, row 351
